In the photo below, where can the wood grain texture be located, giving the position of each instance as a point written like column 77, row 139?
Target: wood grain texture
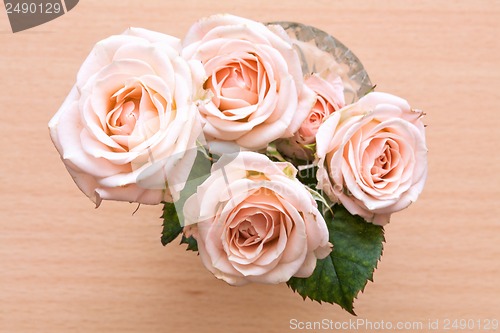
column 67, row 267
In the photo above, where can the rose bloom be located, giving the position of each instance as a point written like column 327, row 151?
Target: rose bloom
column 372, row 156
column 256, row 80
column 329, row 98
column 129, row 125
column 255, row 222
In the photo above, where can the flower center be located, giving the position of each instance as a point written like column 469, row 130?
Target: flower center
column 130, row 106
column 386, row 162
column 237, row 85
column 247, row 235
column 310, row 126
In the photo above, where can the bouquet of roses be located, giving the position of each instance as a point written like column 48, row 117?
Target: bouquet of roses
column 271, row 156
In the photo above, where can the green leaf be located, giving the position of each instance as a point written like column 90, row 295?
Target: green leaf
column 171, row 225
column 198, row 174
column 173, row 219
column 192, row 244
column 357, row 248
column 172, row 228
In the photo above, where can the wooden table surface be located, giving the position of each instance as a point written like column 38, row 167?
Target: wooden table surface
column 67, row 267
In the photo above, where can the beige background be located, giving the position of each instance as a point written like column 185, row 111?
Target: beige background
column 67, row 267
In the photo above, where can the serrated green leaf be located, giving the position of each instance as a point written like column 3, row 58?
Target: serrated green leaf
column 172, row 228
column 192, row 244
column 173, row 219
column 171, row 225
column 357, row 248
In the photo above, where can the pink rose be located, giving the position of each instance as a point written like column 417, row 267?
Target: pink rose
column 129, row 125
column 330, row 98
column 256, row 80
column 256, row 222
column 372, row 156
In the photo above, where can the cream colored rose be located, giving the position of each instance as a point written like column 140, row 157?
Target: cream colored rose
column 329, row 98
column 256, row 80
column 129, row 125
column 256, row 222
column 372, row 156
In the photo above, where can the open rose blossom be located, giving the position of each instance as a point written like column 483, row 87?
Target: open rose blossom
column 372, row 156
column 256, row 80
column 255, row 222
column 129, row 125
column 329, row 98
